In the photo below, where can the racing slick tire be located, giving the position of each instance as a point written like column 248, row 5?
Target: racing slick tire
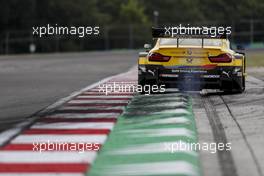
column 142, row 83
column 238, row 89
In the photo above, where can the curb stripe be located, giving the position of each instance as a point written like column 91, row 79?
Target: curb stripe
column 96, row 104
column 22, row 139
column 145, row 140
column 82, row 115
column 68, row 125
column 90, row 111
column 122, row 81
column 6, row 136
column 152, row 148
column 41, row 174
column 109, row 92
column 160, row 132
column 67, row 131
column 104, row 94
column 43, row 167
column 155, row 168
column 98, row 101
column 100, row 91
column 91, row 108
column 85, row 117
column 103, row 98
column 47, row 157
column 61, row 119
column 30, row 147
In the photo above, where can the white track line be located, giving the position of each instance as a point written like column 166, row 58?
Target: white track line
column 92, row 108
column 160, row 132
column 8, row 134
column 153, row 168
column 116, row 93
column 30, row 139
column 46, row 157
column 97, row 101
column 40, row 174
column 82, row 115
column 69, row 125
column 171, row 120
column 176, row 111
column 104, row 96
column 152, row 148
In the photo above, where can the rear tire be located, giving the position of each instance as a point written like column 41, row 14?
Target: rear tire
column 243, row 86
column 240, row 89
column 142, row 83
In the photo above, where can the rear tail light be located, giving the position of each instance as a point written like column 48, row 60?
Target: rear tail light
column 222, row 58
column 158, row 57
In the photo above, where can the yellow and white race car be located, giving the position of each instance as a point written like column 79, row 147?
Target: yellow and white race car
column 192, row 63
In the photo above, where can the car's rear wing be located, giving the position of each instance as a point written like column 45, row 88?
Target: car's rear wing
column 169, row 33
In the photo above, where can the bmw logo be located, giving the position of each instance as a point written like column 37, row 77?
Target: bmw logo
column 189, row 52
column 189, row 60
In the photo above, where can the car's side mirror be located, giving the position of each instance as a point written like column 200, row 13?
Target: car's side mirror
column 147, row 46
column 240, row 47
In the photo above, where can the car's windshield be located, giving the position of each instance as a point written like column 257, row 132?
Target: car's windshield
column 191, row 42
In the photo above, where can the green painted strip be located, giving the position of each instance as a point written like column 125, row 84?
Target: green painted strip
column 138, row 144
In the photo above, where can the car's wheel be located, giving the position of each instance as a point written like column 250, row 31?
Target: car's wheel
column 141, row 79
column 141, row 82
column 242, row 88
column 146, row 85
column 238, row 89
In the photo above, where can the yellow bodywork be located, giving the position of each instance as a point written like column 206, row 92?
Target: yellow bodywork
column 199, row 55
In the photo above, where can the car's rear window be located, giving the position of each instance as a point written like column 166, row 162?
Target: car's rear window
column 191, row 42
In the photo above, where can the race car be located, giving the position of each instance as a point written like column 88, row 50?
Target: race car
column 192, row 62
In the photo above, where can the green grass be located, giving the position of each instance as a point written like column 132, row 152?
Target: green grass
column 255, row 58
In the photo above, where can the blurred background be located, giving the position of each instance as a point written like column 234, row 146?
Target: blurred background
column 124, row 24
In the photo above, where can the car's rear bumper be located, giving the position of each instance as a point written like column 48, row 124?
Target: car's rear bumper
column 190, row 77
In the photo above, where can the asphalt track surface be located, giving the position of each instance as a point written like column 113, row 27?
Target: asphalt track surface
column 29, row 83
column 237, row 119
